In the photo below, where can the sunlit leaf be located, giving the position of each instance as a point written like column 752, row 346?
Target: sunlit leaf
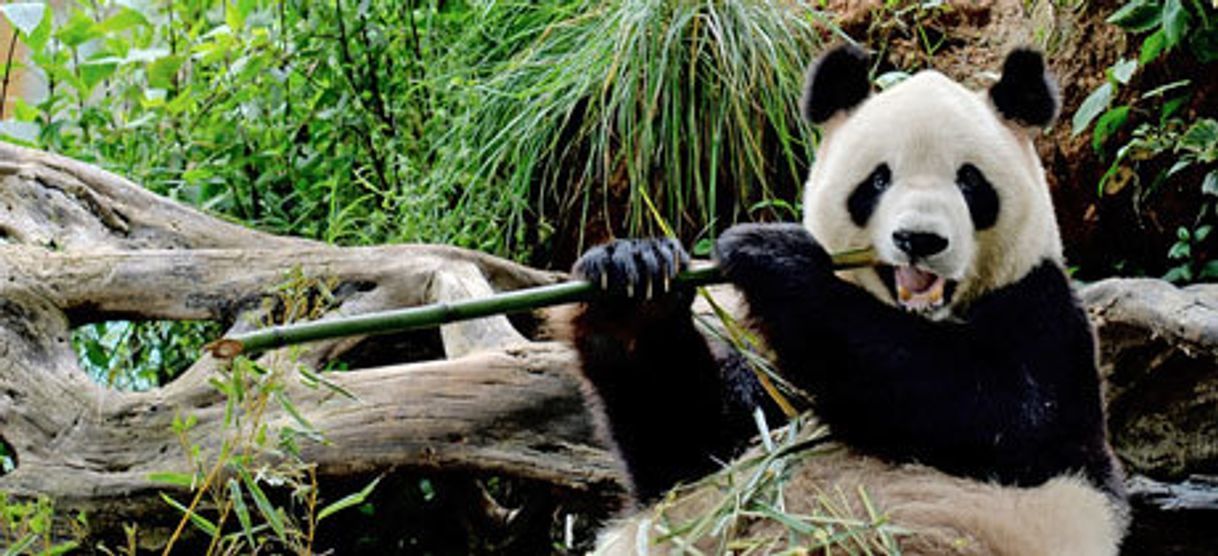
column 1209, row 185
column 24, row 16
column 353, row 499
column 185, row 480
column 1123, row 69
column 1092, row 107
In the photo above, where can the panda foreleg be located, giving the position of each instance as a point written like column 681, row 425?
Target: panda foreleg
column 673, row 406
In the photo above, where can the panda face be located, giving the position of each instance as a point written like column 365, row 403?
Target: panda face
column 948, row 192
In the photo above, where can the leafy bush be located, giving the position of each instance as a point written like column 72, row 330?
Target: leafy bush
column 1169, row 142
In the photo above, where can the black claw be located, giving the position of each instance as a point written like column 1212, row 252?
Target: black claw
column 638, row 269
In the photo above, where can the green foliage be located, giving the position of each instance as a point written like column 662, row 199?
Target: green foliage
column 28, row 527
column 631, row 102
column 298, row 117
column 140, row 355
column 1167, row 142
column 256, row 493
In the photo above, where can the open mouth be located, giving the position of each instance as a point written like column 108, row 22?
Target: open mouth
column 917, row 290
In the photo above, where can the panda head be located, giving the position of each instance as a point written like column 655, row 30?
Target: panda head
column 943, row 182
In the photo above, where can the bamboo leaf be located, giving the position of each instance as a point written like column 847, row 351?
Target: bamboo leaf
column 20, row 546
column 268, row 511
column 242, row 511
column 185, row 480
column 199, row 521
column 353, row 499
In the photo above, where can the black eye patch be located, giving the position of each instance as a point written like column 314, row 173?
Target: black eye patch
column 866, row 194
column 979, row 194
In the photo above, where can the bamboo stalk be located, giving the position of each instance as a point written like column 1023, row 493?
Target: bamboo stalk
column 437, row 314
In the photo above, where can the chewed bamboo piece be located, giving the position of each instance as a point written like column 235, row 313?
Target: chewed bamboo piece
column 436, row 314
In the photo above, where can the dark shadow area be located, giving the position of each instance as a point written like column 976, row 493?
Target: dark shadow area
column 8, row 457
column 454, row 513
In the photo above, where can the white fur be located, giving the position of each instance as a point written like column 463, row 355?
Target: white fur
column 938, row 513
column 925, row 128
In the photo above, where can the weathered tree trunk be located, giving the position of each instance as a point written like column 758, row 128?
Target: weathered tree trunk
column 82, row 246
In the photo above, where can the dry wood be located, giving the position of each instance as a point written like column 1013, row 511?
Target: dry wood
column 82, row 245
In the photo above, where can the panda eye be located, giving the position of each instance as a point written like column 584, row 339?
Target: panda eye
column 866, row 194
column 980, row 196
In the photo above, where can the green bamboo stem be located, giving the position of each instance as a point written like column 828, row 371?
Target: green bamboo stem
column 443, row 313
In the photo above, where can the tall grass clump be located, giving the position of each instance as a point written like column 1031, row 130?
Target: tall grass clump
column 689, row 106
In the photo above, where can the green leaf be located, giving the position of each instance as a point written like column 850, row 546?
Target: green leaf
column 25, row 16
column 1123, row 70
column 268, row 511
column 1209, row 271
column 1152, row 47
column 78, row 30
column 1179, row 274
column 162, row 71
column 1108, row 124
column 1179, row 250
column 1201, row 137
column 20, row 546
column 1170, row 108
column 201, row 522
column 124, row 19
column 1204, row 42
column 1203, row 232
column 243, row 512
column 1137, row 16
column 353, row 499
column 1092, row 107
column 288, row 406
column 1163, row 89
column 1175, row 22
column 1209, row 185
column 93, row 72
column 185, row 480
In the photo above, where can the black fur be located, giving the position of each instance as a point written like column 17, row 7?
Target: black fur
column 862, row 201
column 836, row 81
column 1008, row 393
column 675, row 408
column 980, row 195
column 1026, row 93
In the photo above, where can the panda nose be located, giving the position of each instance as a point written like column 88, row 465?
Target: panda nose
column 919, row 244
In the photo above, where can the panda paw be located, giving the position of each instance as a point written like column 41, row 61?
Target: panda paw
column 636, row 274
column 762, row 256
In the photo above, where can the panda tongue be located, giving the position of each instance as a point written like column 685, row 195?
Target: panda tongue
column 914, row 280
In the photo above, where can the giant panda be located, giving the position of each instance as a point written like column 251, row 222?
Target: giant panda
column 958, row 375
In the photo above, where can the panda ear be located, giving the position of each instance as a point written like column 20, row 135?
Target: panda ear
column 1026, row 94
column 836, row 81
